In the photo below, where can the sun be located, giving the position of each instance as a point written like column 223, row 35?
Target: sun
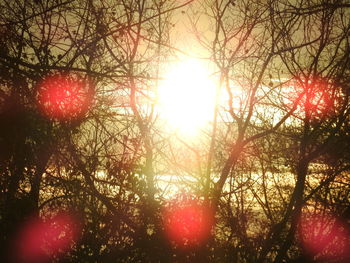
column 186, row 96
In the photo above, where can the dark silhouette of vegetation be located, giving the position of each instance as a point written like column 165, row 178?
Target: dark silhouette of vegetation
column 83, row 152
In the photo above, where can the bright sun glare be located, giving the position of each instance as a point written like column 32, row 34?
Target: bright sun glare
column 186, row 96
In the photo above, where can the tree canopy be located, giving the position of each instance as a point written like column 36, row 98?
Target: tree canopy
column 92, row 170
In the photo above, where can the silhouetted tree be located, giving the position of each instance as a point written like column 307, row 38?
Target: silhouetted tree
column 82, row 149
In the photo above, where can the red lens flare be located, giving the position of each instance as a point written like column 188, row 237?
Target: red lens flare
column 39, row 241
column 324, row 236
column 187, row 222
column 316, row 97
column 64, row 96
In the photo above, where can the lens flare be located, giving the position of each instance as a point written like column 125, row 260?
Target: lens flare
column 39, row 241
column 315, row 97
column 64, row 96
column 324, row 236
column 187, row 222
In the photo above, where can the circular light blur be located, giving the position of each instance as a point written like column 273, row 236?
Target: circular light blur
column 324, row 236
column 39, row 240
column 315, row 96
column 187, row 222
column 64, row 96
